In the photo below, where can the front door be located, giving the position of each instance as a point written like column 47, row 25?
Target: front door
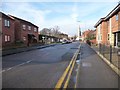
column 118, row 36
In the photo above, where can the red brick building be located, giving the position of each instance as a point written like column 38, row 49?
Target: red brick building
column 7, row 32
column 108, row 28
column 101, row 31
column 25, row 31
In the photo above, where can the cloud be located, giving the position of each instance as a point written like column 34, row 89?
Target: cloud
column 65, row 15
column 26, row 11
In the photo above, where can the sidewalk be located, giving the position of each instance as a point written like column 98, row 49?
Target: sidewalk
column 24, row 49
column 94, row 72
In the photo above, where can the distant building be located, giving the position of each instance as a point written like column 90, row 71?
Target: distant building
column 108, row 28
column 25, row 31
column 86, row 34
column 8, row 31
column 63, row 36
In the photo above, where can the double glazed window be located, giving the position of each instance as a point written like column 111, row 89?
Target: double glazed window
column 7, row 23
column 7, row 38
column 29, row 27
column 35, row 29
column 23, row 27
column 116, row 17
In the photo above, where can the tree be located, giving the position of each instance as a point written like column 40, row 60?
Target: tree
column 55, row 31
column 45, row 31
column 51, row 31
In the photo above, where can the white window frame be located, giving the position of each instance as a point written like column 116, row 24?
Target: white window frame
column 35, row 29
column 24, row 38
column 6, row 38
column 116, row 16
column 23, row 26
column 8, row 23
column 29, row 28
column 5, row 22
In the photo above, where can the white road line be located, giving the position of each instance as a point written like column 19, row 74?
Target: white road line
column 8, row 69
column 16, row 66
column 2, row 71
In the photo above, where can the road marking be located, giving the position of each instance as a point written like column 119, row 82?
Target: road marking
column 16, row 66
column 69, row 75
column 77, row 74
column 8, row 69
column 61, row 80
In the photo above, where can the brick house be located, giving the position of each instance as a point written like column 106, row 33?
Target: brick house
column 25, row 31
column 108, row 28
column 101, row 31
column 7, row 33
column 85, row 34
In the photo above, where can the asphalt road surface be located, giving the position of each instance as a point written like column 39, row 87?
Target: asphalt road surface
column 40, row 68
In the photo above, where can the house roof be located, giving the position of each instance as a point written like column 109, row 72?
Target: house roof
column 100, row 21
column 114, row 11
column 23, row 20
column 7, row 16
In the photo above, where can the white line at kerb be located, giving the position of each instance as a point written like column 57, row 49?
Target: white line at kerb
column 16, row 66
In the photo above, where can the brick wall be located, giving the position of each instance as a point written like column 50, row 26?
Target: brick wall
column 22, row 34
column 7, row 31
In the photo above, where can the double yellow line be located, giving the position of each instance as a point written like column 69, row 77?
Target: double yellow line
column 67, row 73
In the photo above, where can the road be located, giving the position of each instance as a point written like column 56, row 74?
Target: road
column 40, row 68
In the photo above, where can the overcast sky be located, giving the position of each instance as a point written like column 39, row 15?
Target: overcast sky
column 63, row 14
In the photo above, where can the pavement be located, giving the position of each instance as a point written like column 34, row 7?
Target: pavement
column 24, row 49
column 40, row 68
column 93, row 72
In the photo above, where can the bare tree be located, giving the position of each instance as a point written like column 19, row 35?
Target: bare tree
column 51, row 31
column 55, row 31
column 45, row 31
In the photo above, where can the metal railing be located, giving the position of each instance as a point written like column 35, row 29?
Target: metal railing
column 110, row 53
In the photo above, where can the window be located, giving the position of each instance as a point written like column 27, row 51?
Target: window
column 7, row 23
column 24, row 27
column 35, row 29
column 24, row 38
column 117, row 17
column 29, row 27
column 101, row 37
column 108, row 22
column 108, row 37
column 7, row 38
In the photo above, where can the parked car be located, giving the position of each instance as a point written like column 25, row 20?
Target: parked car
column 66, row 41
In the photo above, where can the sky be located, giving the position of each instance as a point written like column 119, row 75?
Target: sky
column 65, row 14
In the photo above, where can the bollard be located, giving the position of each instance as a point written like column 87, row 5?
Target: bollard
column 110, row 54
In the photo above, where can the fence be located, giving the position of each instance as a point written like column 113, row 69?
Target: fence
column 110, row 53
